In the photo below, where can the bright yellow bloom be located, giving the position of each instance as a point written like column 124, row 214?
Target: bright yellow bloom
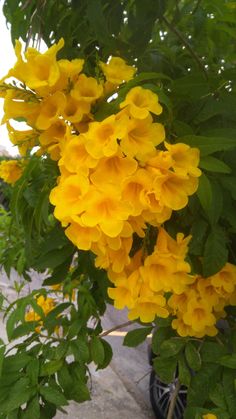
column 225, row 280
column 10, row 170
column 105, row 208
column 209, row 416
column 82, row 236
column 86, row 89
column 147, row 308
column 140, row 102
column 24, row 140
column 184, row 159
column 47, row 304
column 75, row 110
column 69, row 71
column 75, row 157
column 207, row 291
column 54, row 134
column 113, row 168
column 141, row 138
column 101, row 138
column 115, row 260
column 39, row 71
column 167, row 245
column 126, row 291
column 18, row 108
column 181, row 328
column 136, row 189
column 68, row 196
column 50, row 110
column 117, row 71
column 198, row 315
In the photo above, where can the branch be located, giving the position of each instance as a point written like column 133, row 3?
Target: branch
column 186, row 44
column 107, row 332
column 173, row 400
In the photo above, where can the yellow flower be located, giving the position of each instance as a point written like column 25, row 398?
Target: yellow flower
column 136, row 189
column 115, row 260
column 209, row 416
column 10, row 170
column 105, row 208
column 50, row 110
column 198, row 315
column 69, row 71
column 68, row 196
column 101, row 138
column 47, row 304
column 182, row 329
column 54, row 134
column 184, row 159
column 113, row 168
column 225, row 280
column 167, row 245
column 17, row 108
column 207, row 291
column 86, row 89
column 82, row 236
column 75, row 157
column 25, row 140
column 141, row 138
column 38, row 71
column 126, row 291
column 140, row 102
column 75, row 110
column 148, row 307
column 117, row 71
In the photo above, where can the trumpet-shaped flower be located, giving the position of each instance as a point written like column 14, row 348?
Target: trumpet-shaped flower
column 185, row 159
column 101, row 138
column 75, row 110
column 10, row 171
column 24, row 140
column 199, row 315
column 82, row 236
column 50, row 110
column 18, row 108
column 86, row 89
column 225, row 279
column 68, row 196
column 113, row 168
column 148, row 307
column 38, row 71
column 75, row 157
column 135, row 190
column 117, row 71
column 141, row 138
column 140, row 102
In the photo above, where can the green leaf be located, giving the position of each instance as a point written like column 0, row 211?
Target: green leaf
column 204, row 193
column 216, row 395
column 183, row 372
column 171, row 347
column 108, row 353
column 209, row 145
column 159, row 336
column 2, row 352
column 97, row 350
column 65, row 380
column 137, row 336
column 24, row 329
column 193, row 357
column 55, row 257
column 212, row 164
column 16, row 396
column 59, row 273
column 215, row 252
column 32, row 371
column 165, row 368
column 229, row 390
column 16, row 362
column 80, row 350
column 228, row 361
column 51, row 367
column 32, row 409
column 212, row 352
column 202, row 381
column 229, row 182
column 53, row 396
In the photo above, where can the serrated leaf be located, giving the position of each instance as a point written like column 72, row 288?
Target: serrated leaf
column 50, row 368
column 171, row 347
column 228, row 361
column 212, row 164
column 137, row 336
column 215, row 252
column 53, row 396
column 165, row 368
column 209, row 145
column 97, row 350
column 193, row 357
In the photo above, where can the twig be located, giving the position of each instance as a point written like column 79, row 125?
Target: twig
column 186, row 44
column 173, row 400
column 196, row 7
column 107, row 332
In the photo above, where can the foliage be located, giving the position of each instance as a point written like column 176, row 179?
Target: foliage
column 186, row 55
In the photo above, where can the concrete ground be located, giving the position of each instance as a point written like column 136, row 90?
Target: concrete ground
column 121, row 390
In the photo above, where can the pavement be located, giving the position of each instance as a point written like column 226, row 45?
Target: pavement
column 121, row 391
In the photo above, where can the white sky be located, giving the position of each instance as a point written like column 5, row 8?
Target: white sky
column 7, row 61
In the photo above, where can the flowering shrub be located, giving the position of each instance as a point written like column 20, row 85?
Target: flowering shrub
column 114, row 210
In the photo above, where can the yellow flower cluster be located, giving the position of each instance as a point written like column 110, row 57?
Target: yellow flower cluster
column 47, row 304
column 10, row 170
column 162, row 285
